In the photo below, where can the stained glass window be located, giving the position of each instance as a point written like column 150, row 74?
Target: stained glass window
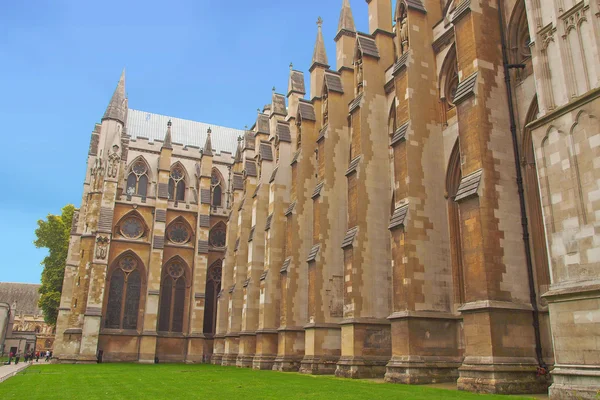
column 177, row 184
column 178, row 232
column 124, row 293
column 137, row 180
column 213, row 287
column 172, row 297
column 217, row 194
column 217, row 236
column 132, row 228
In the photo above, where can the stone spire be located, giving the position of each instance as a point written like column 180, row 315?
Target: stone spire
column 167, row 144
column 346, row 19
column 238, row 152
column 116, row 109
column 320, row 55
column 207, row 151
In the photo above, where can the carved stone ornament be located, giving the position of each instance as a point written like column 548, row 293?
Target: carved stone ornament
column 114, row 159
column 102, row 247
column 403, row 23
column 359, row 74
column 325, row 107
column 96, row 174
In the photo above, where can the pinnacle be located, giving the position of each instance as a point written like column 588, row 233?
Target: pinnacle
column 117, row 107
column 207, row 151
column 167, row 143
column 346, row 19
column 320, row 55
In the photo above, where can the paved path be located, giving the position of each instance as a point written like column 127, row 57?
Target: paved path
column 8, row 371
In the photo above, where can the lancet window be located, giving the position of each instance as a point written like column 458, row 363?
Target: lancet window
column 216, row 184
column 177, row 183
column 124, row 290
column 137, row 180
column 173, row 291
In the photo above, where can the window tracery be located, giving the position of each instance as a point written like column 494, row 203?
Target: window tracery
column 172, row 296
column 213, row 287
column 177, row 184
column 179, row 232
column 132, row 227
column 137, row 180
column 216, row 183
column 217, row 236
column 124, row 291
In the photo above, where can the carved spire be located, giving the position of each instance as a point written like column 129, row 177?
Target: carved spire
column 167, row 144
column 346, row 19
column 208, row 145
column 320, row 55
column 117, row 107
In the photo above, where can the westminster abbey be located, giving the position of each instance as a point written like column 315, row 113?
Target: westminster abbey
column 420, row 209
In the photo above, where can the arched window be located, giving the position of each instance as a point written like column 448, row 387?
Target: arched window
column 124, row 290
column 453, row 178
column 519, row 40
column 131, row 226
column 217, row 235
column 449, row 78
column 179, row 231
column 213, row 287
column 137, row 180
column 216, row 183
column 173, row 290
column 177, row 183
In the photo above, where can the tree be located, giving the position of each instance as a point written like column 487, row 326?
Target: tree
column 53, row 234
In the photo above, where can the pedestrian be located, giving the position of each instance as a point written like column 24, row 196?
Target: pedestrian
column 26, row 356
column 47, row 355
column 17, row 357
column 37, row 356
column 10, row 357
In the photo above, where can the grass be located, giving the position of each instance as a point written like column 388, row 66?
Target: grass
column 179, row 381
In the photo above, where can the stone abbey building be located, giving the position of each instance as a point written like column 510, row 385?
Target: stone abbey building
column 425, row 211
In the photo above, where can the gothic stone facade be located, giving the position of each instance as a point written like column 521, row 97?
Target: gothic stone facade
column 427, row 214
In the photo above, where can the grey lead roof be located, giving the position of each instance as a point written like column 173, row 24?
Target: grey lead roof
column 24, row 294
column 141, row 124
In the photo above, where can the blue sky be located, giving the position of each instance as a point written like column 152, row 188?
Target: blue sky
column 213, row 61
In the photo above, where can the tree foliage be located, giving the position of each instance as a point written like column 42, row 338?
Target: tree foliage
column 53, row 234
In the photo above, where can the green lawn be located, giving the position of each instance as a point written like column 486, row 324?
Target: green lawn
column 178, row 381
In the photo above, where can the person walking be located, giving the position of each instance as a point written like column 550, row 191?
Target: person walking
column 11, row 355
column 37, row 356
column 17, row 357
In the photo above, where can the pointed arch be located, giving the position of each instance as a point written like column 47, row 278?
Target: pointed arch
column 178, row 182
column 132, row 226
column 125, row 286
column 218, row 235
column 179, row 231
column 533, row 205
column 138, row 177
column 453, row 178
column 519, row 40
column 449, row 77
column 213, row 287
column 174, row 293
column 216, row 184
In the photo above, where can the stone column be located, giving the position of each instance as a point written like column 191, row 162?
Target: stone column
column 497, row 314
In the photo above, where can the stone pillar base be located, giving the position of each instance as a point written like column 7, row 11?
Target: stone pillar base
column 232, row 343
column 196, row 352
column 287, row 363
column 501, row 378
column 247, row 350
column 323, row 348
column 266, row 349
column 290, row 350
column 419, row 372
column 319, row 365
column 575, row 383
column 218, row 350
column 147, row 348
column 359, row 367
